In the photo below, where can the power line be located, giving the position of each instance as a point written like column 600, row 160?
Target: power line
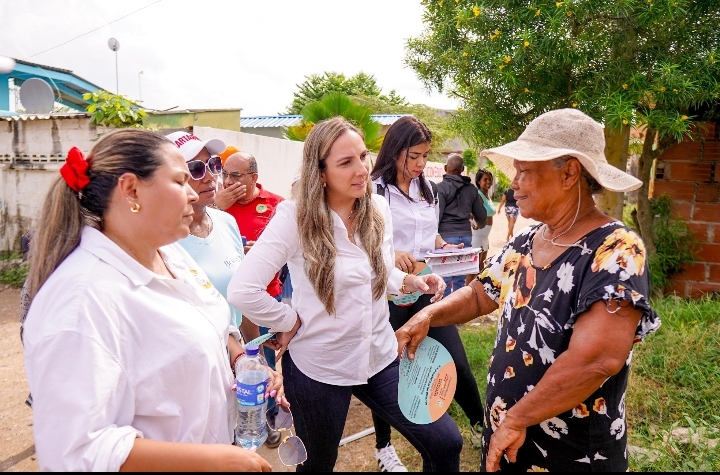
column 96, row 29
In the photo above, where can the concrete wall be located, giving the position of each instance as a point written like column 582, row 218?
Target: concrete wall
column 31, row 153
column 278, row 159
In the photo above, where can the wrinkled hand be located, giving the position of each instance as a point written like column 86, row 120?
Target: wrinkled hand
column 228, row 458
column 507, row 439
column 248, row 246
column 225, row 197
column 282, row 339
column 276, row 389
column 413, row 332
column 427, row 284
column 405, row 261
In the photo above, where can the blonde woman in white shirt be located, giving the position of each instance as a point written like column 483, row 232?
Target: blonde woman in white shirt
column 127, row 345
column 337, row 241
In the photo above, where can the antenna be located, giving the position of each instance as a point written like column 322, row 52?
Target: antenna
column 37, row 96
column 114, row 45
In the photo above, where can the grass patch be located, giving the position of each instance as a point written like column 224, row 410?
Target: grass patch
column 14, row 276
column 9, row 255
column 674, row 383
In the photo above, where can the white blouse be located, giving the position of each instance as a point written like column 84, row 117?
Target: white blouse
column 415, row 223
column 344, row 349
column 114, row 351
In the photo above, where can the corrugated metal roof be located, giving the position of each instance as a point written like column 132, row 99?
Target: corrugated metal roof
column 290, row 120
column 25, row 117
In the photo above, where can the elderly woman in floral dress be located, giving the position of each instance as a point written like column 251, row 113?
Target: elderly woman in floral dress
column 574, row 297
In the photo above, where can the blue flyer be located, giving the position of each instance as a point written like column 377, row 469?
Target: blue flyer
column 427, row 384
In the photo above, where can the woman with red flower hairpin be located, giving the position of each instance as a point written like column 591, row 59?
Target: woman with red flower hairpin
column 127, row 347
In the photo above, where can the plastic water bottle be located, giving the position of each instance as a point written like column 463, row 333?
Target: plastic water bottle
column 252, row 375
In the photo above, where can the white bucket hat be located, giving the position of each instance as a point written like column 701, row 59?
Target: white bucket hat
column 190, row 145
column 558, row 133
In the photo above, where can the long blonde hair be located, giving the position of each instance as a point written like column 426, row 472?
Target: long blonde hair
column 315, row 221
column 66, row 212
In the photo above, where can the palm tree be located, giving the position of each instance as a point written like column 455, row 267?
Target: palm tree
column 336, row 104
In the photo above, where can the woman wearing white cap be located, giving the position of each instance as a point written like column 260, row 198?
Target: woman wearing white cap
column 126, row 340
column 574, row 296
column 214, row 240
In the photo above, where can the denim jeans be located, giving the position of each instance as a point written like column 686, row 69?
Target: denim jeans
column 320, row 410
column 467, row 394
column 457, row 281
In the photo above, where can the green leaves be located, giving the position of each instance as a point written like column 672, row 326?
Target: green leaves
column 316, row 86
column 113, row 110
column 336, row 104
column 626, row 62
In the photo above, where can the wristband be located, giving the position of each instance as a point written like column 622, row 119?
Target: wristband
column 232, row 366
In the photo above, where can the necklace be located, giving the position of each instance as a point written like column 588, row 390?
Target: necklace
column 552, row 240
column 205, row 233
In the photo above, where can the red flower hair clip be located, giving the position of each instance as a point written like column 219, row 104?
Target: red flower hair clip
column 74, row 172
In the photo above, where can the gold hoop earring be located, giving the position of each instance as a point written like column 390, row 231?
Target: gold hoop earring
column 135, row 208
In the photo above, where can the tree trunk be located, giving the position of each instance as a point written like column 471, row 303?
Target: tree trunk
column 644, row 211
column 617, row 142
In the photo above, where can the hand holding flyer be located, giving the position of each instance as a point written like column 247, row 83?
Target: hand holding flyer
column 427, row 383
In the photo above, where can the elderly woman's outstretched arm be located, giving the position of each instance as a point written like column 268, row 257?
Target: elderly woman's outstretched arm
column 459, row 307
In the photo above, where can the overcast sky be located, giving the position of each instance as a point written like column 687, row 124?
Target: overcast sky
column 207, row 54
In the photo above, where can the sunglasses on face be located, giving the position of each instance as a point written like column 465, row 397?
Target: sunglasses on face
column 291, row 450
column 197, row 168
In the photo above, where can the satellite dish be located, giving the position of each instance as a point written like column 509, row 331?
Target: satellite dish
column 6, row 64
column 114, row 44
column 37, row 96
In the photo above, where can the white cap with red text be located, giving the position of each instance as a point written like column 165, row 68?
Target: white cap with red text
column 190, row 145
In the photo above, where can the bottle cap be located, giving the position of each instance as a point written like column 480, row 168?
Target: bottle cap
column 252, row 350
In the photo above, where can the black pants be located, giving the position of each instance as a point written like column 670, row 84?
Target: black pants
column 466, row 393
column 320, row 410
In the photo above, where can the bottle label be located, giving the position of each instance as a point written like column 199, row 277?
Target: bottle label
column 251, row 394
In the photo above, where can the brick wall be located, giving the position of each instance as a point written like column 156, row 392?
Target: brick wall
column 690, row 173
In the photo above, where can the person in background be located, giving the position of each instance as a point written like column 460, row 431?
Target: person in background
column 398, row 176
column 458, row 199
column 511, row 210
column 336, row 237
column 227, row 195
column 252, row 210
column 127, row 344
column 481, row 234
column 574, row 294
column 229, row 150
column 214, row 240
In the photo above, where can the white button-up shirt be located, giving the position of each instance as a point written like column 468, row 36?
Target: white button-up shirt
column 114, row 351
column 344, row 349
column 415, row 223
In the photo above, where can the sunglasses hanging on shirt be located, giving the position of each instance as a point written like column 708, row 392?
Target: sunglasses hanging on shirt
column 197, row 168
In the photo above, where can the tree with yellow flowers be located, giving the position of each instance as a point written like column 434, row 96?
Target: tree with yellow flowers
column 649, row 64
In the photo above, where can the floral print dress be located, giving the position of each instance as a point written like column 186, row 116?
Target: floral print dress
column 539, row 309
